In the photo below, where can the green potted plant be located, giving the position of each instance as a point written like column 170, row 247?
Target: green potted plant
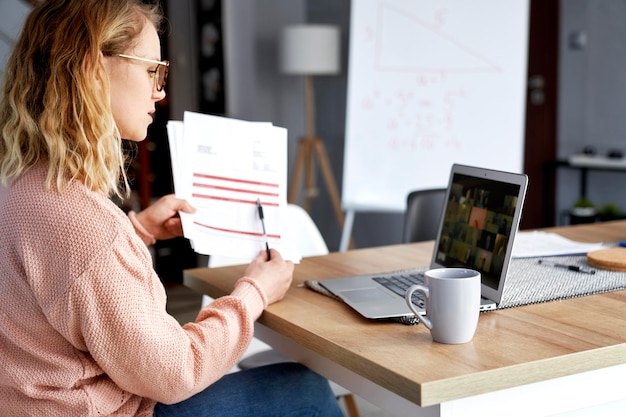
column 584, row 211
column 610, row 212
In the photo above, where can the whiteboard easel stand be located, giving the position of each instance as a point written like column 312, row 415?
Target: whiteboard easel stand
column 346, row 232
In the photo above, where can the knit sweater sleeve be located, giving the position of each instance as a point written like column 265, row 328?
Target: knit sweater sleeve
column 117, row 314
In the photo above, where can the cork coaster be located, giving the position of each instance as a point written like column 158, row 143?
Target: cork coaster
column 613, row 259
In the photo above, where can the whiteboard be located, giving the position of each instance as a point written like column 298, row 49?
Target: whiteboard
column 431, row 83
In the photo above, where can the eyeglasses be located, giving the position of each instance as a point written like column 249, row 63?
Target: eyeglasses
column 159, row 73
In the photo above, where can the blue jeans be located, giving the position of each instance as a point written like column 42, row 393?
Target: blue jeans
column 283, row 389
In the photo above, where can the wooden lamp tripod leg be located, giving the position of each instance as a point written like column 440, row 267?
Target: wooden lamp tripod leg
column 322, row 157
column 310, row 191
column 310, row 150
column 299, row 166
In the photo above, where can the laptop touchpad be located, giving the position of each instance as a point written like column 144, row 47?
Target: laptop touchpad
column 366, row 295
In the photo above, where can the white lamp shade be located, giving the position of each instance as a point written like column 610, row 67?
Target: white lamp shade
column 309, row 49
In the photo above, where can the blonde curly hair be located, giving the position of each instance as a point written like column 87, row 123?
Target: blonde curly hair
column 55, row 106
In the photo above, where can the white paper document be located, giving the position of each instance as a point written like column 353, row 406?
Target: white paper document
column 222, row 166
column 537, row 243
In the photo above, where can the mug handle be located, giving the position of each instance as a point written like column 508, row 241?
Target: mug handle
column 409, row 293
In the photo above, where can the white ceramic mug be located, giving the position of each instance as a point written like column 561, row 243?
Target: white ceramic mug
column 452, row 298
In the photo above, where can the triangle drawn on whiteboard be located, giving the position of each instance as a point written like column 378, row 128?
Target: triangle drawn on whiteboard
column 430, row 48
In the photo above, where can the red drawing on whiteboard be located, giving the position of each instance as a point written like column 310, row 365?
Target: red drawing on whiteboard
column 426, row 47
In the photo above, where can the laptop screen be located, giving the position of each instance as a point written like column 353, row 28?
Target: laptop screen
column 477, row 225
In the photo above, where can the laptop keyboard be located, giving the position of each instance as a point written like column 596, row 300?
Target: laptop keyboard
column 400, row 283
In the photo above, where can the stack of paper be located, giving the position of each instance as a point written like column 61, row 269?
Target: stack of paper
column 222, row 166
column 538, row 243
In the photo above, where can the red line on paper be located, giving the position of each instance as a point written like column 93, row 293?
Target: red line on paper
column 238, row 232
column 233, row 200
column 234, row 190
column 215, row 177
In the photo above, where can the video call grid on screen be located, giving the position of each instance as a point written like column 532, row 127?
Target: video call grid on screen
column 477, row 226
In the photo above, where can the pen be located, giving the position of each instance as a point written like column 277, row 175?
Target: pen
column 576, row 268
column 260, row 208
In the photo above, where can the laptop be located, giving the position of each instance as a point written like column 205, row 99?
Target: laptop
column 480, row 217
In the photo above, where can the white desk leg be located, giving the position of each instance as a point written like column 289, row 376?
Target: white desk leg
column 346, row 233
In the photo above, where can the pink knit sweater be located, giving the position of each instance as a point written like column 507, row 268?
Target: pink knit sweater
column 83, row 326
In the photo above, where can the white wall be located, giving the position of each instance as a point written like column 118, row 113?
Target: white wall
column 592, row 96
column 255, row 88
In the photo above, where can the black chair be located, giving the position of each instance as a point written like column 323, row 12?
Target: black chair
column 422, row 215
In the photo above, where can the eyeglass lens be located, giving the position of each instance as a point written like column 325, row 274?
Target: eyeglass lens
column 161, row 78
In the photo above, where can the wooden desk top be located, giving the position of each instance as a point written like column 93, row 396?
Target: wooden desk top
column 511, row 347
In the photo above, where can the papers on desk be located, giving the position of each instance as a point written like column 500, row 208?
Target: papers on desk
column 222, row 166
column 536, row 243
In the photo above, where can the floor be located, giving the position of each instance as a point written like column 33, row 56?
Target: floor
column 184, row 303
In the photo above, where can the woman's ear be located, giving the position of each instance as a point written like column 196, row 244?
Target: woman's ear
column 88, row 61
column 88, row 66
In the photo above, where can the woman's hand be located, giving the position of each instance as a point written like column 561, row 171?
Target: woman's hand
column 161, row 218
column 273, row 276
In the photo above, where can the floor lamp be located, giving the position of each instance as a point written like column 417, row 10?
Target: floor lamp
column 308, row 50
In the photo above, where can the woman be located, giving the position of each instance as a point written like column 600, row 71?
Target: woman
column 83, row 326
